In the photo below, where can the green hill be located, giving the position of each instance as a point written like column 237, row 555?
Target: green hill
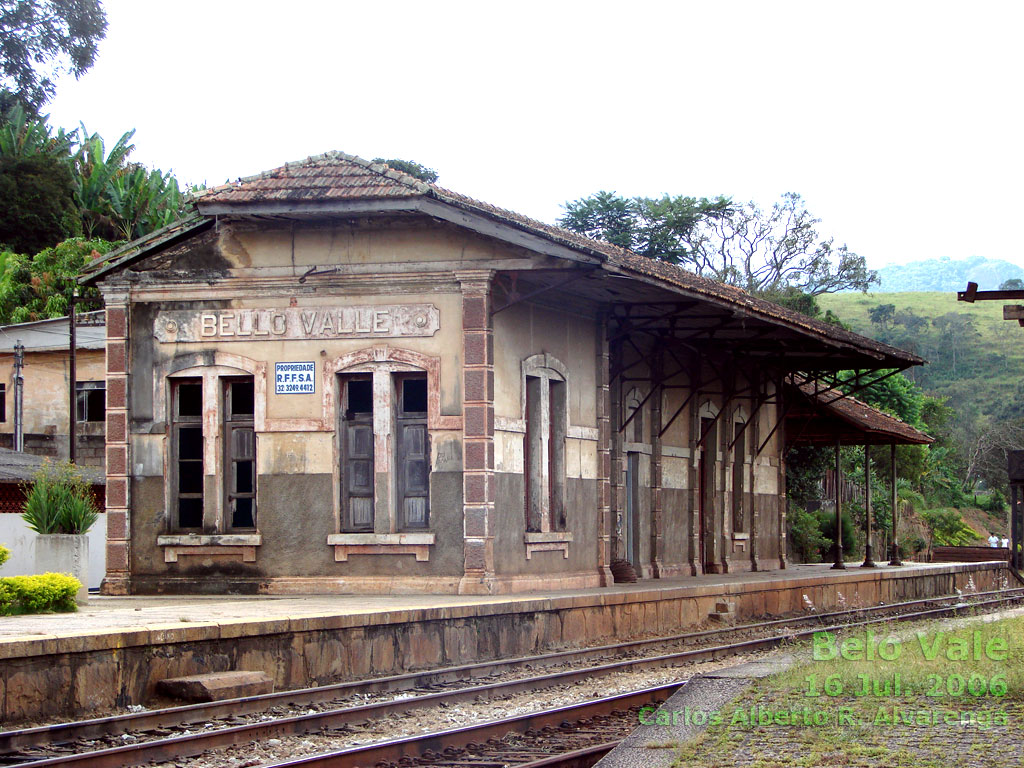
column 975, row 358
column 946, row 274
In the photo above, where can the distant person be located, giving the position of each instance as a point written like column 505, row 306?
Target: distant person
column 1004, row 543
column 993, row 540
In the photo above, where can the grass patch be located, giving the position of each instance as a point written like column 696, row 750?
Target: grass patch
column 933, row 661
column 848, row 711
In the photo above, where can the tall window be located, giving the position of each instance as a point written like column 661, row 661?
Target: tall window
column 739, row 521
column 91, row 400
column 398, row 399
column 546, row 420
column 357, row 473
column 240, row 452
column 187, row 441
column 3, row 403
column 229, row 402
column 413, row 458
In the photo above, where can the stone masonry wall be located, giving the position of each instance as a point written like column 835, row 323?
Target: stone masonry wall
column 80, row 675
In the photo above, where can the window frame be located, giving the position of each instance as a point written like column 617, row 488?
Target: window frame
column 230, row 423
column 347, row 525
column 410, row 419
column 188, row 422
column 545, row 408
column 196, row 369
column 738, row 480
column 387, row 420
column 83, row 392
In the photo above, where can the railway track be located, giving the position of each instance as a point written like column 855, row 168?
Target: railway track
column 575, row 735
column 166, row 734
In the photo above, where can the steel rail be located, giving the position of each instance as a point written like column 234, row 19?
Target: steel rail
column 414, row 746
column 578, row 758
column 191, row 744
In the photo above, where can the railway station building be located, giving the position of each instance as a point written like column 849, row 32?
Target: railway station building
column 334, row 377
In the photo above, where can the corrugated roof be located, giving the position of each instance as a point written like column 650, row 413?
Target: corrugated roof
column 54, row 335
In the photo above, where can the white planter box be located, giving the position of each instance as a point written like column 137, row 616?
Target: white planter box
column 65, row 553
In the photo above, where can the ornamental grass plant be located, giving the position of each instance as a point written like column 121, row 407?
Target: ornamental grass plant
column 59, row 500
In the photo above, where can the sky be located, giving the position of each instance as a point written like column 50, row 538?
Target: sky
column 898, row 122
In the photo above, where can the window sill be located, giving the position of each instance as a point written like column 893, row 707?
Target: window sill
column 346, row 544
column 236, row 544
column 547, row 541
column 207, row 539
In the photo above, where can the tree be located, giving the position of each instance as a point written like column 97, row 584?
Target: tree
column 883, row 315
column 764, row 252
column 42, row 39
column 659, row 228
column 958, row 333
column 37, row 208
column 39, row 287
column 25, row 135
column 1013, row 284
column 414, row 169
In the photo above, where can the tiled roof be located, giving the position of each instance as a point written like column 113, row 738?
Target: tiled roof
column 863, row 417
column 336, row 176
column 331, row 176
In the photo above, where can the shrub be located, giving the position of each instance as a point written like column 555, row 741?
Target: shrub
column 805, row 534
column 50, row 592
column 947, row 528
column 994, row 503
column 827, row 525
column 59, row 501
column 5, row 554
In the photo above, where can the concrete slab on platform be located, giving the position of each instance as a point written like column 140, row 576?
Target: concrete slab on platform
column 216, row 686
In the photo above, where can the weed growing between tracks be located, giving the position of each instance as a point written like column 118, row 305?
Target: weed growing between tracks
column 934, row 697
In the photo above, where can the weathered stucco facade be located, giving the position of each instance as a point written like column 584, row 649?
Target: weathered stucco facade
column 46, row 375
column 386, row 387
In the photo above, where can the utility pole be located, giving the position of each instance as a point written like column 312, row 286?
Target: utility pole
column 19, row 384
column 72, row 380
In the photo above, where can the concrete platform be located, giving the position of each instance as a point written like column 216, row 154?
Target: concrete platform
column 112, row 653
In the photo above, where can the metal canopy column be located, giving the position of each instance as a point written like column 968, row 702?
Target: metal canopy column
column 838, row 562
column 894, row 558
column 868, row 561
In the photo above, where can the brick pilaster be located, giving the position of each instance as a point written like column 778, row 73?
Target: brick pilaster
column 478, row 432
column 118, row 577
column 604, row 456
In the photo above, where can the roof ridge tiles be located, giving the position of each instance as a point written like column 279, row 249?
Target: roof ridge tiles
column 356, row 178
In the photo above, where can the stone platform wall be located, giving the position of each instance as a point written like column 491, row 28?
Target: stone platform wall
column 76, row 676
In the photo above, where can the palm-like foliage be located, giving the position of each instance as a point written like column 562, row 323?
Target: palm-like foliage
column 23, row 136
column 95, row 171
column 115, row 199
column 143, row 201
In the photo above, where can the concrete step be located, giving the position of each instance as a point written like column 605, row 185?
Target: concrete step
column 724, row 612
column 216, row 686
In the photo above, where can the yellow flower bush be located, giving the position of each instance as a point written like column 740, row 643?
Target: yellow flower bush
column 49, row 592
